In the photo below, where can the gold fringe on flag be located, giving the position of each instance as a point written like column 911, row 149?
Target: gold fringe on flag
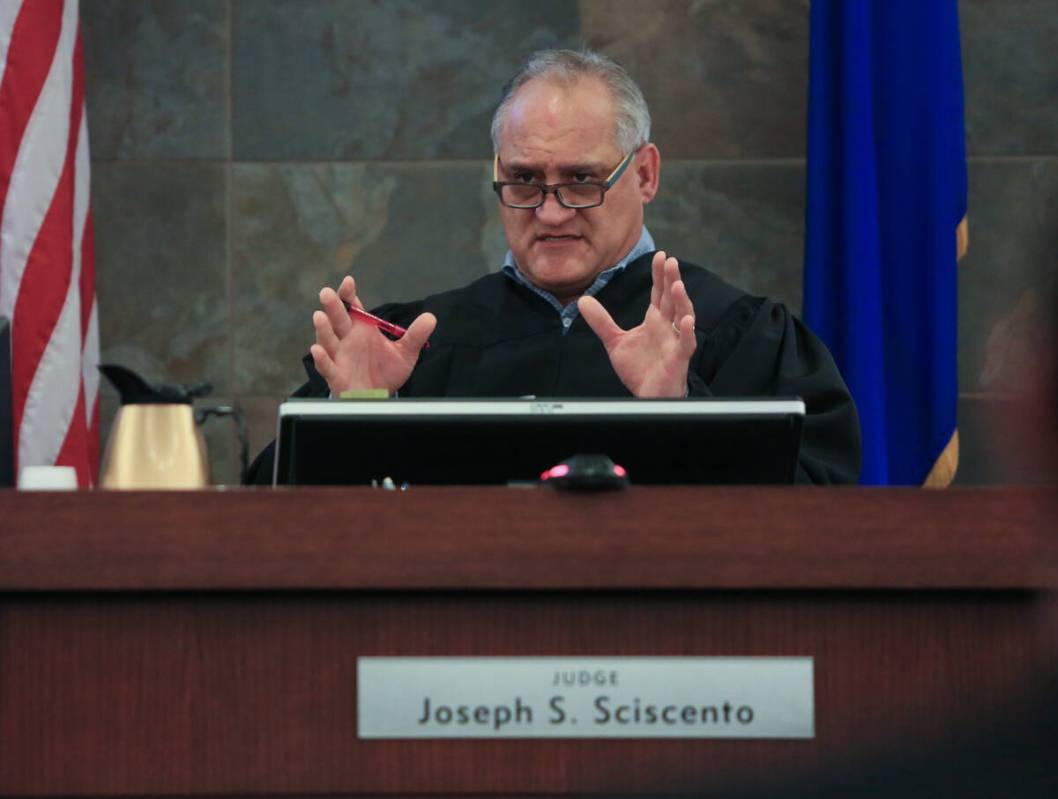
column 943, row 472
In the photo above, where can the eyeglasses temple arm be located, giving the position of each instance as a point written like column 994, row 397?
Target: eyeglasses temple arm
column 621, row 167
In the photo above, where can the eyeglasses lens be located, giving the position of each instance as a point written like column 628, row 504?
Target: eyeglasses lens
column 580, row 196
column 572, row 195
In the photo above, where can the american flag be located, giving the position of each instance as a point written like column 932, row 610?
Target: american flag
column 47, row 269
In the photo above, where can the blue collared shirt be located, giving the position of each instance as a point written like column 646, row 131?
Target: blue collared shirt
column 569, row 312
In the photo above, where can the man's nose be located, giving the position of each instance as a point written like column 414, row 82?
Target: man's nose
column 552, row 212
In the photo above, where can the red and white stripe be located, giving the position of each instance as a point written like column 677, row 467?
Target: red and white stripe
column 47, row 268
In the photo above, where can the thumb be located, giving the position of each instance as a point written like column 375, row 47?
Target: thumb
column 600, row 321
column 417, row 334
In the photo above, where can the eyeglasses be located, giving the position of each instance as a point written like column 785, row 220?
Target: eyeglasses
column 586, row 194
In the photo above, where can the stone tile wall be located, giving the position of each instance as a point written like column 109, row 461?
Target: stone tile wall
column 247, row 152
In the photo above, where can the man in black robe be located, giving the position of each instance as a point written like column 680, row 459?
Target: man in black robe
column 585, row 304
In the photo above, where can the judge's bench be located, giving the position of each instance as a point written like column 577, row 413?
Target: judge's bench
column 208, row 643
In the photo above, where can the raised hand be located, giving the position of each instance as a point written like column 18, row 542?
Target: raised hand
column 652, row 358
column 353, row 355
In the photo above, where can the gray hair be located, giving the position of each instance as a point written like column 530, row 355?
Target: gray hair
column 631, row 115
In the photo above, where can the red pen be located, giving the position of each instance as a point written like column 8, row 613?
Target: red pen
column 386, row 327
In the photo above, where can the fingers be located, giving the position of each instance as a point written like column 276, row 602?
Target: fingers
column 669, row 296
column 417, row 333
column 599, row 320
column 686, row 338
column 683, row 317
column 657, row 271
column 347, row 292
column 671, row 275
column 323, row 362
column 332, row 303
column 337, row 316
column 681, row 303
column 325, row 335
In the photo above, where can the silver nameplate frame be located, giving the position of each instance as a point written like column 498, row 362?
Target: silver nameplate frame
column 596, row 697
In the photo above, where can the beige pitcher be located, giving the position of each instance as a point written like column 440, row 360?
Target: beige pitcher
column 155, row 442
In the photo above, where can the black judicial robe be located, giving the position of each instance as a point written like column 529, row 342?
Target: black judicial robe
column 496, row 338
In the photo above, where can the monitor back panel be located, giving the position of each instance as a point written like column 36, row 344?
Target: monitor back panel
column 351, row 443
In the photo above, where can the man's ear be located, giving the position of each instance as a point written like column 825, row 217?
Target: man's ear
column 648, row 171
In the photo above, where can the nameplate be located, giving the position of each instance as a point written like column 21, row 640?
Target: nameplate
column 603, row 697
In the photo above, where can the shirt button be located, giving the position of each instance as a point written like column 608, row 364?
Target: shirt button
column 567, row 322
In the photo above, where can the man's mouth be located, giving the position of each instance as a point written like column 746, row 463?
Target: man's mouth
column 553, row 239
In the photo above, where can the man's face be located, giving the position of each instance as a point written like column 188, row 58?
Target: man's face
column 562, row 134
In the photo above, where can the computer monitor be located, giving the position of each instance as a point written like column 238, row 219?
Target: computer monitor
column 474, row 441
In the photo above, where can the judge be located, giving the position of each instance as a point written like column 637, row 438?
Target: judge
column 585, row 305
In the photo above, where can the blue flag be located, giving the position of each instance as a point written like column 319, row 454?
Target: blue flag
column 886, row 193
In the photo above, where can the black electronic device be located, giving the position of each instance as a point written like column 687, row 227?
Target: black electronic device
column 498, row 441
column 590, row 472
